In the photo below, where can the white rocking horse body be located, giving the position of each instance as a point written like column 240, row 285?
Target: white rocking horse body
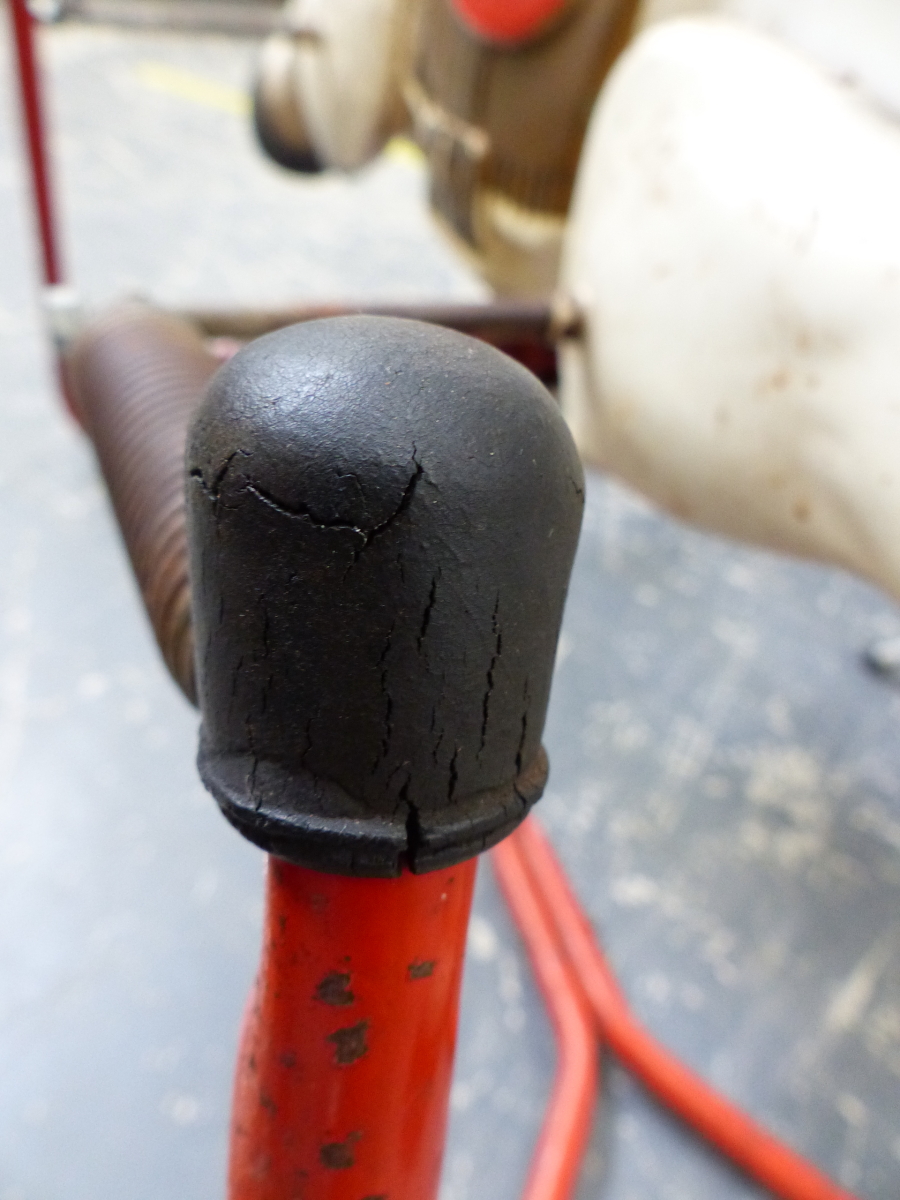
column 734, row 245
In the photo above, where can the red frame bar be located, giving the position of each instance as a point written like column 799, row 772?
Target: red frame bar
column 762, row 1156
column 31, row 98
column 556, row 1162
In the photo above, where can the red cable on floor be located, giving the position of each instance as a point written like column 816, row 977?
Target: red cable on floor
column 556, row 1162
column 757, row 1152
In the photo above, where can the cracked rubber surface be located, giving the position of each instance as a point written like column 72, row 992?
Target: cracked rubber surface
column 383, row 519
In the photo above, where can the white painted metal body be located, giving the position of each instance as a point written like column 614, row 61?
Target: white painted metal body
column 735, row 246
column 857, row 41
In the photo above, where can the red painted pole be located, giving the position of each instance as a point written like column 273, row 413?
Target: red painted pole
column 35, row 133
column 347, row 1048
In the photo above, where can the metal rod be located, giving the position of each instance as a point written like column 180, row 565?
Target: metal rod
column 194, row 16
column 526, row 331
column 496, row 321
column 347, row 1048
column 32, row 108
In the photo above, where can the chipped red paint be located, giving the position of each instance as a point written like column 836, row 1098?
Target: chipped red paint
column 421, row 970
column 349, row 1044
column 347, row 1048
column 334, row 989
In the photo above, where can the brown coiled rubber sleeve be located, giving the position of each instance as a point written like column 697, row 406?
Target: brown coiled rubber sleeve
column 136, row 376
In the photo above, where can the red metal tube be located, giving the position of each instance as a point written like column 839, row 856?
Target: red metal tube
column 35, row 133
column 346, row 1053
column 556, row 1162
column 784, row 1172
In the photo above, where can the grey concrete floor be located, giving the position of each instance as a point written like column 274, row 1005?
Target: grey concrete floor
column 725, row 780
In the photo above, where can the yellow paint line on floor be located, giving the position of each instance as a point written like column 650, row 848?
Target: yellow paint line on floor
column 403, row 149
column 194, row 88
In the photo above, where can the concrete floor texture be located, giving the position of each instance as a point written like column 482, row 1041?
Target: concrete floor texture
column 725, row 775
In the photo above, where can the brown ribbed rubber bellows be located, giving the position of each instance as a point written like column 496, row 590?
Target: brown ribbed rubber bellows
column 136, row 376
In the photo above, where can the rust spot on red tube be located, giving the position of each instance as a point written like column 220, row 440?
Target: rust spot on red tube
column 337, row 1156
column 349, row 1043
column 335, row 989
column 421, row 969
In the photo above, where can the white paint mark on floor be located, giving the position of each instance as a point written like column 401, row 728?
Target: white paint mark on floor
column 854, row 995
column 482, row 941
column 15, row 665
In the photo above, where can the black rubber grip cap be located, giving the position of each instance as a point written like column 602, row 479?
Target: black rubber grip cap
column 383, row 516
